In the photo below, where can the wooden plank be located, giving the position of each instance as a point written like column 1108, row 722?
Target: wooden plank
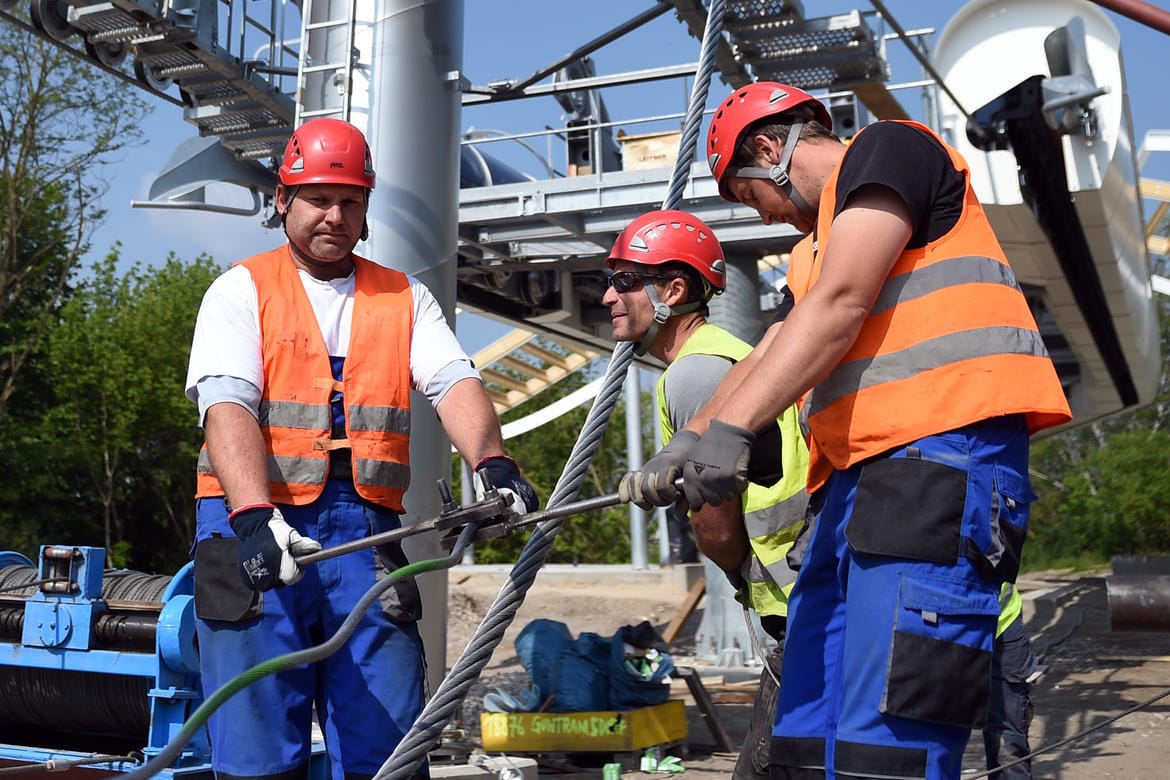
column 503, row 380
column 500, row 347
column 880, row 101
column 706, row 708
column 684, row 611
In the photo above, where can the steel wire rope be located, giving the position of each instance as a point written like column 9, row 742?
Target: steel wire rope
column 412, row 750
column 1074, row 737
column 64, row 764
column 172, row 750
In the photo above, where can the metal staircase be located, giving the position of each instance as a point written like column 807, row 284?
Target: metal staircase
column 771, row 40
column 231, row 61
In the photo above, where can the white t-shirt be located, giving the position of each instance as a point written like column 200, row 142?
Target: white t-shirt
column 227, row 337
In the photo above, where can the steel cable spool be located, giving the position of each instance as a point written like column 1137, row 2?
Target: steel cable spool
column 59, row 700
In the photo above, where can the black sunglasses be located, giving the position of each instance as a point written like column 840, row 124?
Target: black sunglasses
column 628, row 281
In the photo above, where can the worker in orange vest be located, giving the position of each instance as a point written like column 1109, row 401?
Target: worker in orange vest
column 922, row 374
column 302, row 365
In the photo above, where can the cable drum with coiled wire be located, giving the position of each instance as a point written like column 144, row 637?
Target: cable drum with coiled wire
column 60, row 700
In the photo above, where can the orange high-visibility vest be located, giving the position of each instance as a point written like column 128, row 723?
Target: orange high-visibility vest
column 949, row 341
column 295, row 415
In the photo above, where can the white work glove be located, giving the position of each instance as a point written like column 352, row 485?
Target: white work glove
column 268, row 544
column 504, row 475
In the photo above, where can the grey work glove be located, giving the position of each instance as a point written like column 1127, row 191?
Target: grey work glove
column 268, row 544
column 653, row 484
column 717, row 469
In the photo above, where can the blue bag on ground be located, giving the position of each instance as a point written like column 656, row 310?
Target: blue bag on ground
column 593, row 672
column 581, row 676
column 638, row 668
column 539, row 647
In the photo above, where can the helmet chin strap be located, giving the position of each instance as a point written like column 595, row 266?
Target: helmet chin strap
column 778, row 173
column 662, row 313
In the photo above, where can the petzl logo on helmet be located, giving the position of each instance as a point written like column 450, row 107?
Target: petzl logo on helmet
column 777, row 96
column 719, row 267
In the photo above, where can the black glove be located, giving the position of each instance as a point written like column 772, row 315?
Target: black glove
column 267, row 546
column 504, row 475
column 717, row 468
column 653, row 484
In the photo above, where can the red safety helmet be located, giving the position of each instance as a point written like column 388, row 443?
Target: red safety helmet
column 660, row 237
column 327, row 151
column 745, row 106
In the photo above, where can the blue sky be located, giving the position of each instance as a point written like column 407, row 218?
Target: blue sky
column 514, row 38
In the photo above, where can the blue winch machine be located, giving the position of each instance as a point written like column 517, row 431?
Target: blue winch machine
column 98, row 667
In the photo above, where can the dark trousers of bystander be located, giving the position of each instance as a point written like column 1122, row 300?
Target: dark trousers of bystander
column 1009, row 709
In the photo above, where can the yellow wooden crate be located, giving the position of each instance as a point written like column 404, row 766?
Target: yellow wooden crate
column 581, row 732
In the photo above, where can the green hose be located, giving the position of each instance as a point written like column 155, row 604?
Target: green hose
column 199, row 717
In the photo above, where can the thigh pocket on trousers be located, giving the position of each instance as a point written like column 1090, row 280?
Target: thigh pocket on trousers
column 908, row 508
column 940, row 654
column 220, row 594
column 1011, row 506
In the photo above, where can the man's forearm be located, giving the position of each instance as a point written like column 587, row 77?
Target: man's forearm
column 238, row 454
column 470, row 421
column 720, row 534
column 732, row 381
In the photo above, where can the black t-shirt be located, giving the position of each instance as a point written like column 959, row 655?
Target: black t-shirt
column 912, row 164
column 784, row 305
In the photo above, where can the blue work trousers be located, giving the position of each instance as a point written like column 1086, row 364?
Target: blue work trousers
column 890, row 624
column 367, row 694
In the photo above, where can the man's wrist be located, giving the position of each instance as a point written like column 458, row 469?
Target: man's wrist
column 259, row 505
column 498, row 455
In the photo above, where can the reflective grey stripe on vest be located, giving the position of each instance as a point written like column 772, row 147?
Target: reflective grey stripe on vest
column 857, row 375
column 379, row 418
column 203, row 464
column 290, row 414
column 281, row 468
column 778, row 574
column 1005, row 595
column 769, row 520
column 380, row 473
column 939, row 276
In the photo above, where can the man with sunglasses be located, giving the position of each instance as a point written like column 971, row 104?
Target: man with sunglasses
column 922, row 374
column 666, row 267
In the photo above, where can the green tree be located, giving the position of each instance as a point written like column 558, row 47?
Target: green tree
column 1104, row 487
column 61, row 122
column 118, row 358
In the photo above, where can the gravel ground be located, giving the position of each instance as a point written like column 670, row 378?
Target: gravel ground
column 1091, row 676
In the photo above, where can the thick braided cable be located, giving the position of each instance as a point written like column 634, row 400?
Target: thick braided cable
column 424, row 734
column 690, row 134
